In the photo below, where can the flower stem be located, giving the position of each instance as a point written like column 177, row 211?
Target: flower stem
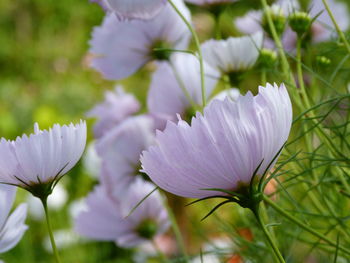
column 53, row 244
column 271, row 241
column 337, row 28
column 303, row 225
column 198, row 47
column 177, row 232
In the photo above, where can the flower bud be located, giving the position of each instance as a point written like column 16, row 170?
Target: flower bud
column 300, row 22
column 323, row 61
column 267, row 58
column 278, row 19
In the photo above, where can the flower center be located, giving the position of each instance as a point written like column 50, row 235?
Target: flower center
column 160, row 50
column 147, row 228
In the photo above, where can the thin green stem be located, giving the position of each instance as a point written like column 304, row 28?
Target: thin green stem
column 217, row 29
column 177, row 232
column 183, row 87
column 284, row 61
column 198, row 47
column 263, row 77
column 52, row 239
column 337, row 28
column 303, row 225
column 269, row 238
column 300, row 74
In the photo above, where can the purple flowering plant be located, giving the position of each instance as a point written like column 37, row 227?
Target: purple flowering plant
column 225, row 139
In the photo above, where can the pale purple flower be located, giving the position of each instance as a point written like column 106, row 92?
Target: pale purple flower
column 41, row 158
column 171, row 81
column 133, row 9
column 91, row 161
column 12, row 226
column 117, row 106
column 209, row 2
column 222, row 148
column 122, row 47
column 107, row 218
column 120, row 150
column 233, row 54
column 321, row 29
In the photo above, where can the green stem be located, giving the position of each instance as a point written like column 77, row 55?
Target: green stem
column 183, row 88
column 263, row 77
column 272, row 243
column 284, row 61
column 198, row 47
column 52, row 239
column 337, row 28
column 177, row 232
column 303, row 225
column 217, row 29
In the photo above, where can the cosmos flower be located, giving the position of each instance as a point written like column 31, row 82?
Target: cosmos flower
column 133, row 9
column 120, row 150
column 166, row 96
column 107, row 218
column 321, row 30
column 37, row 162
column 117, row 106
column 12, row 226
column 235, row 54
column 222, row 148
column 122, row 47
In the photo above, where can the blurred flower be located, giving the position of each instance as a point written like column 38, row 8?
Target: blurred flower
column 36, row 163
column 91, row 161
column 133, row 9
column 55, row 201
column 165, row 243
column 64, row 239
column 107, row 218
column 76, row 207
column 209, row 2
column 120, row 150
column 223, row 148
column 166, row 96
column 117, row 106
column 321, row 29
column 122, row 47
column 234, row 54
column 12, row 226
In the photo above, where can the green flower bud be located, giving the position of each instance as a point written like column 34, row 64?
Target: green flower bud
column 323, row 61
column 267, row 58
column 278, row 19
column 147, row 229
column 300, row 22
